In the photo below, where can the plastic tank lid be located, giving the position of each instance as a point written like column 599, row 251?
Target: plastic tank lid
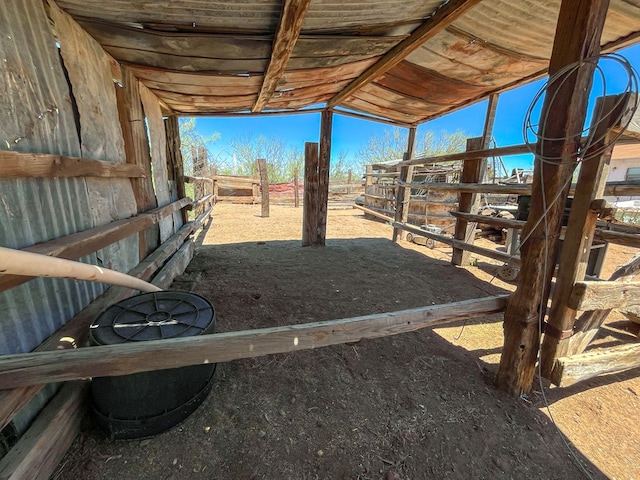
column 153, row 316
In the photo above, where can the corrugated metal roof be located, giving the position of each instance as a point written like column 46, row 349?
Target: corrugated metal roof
column 495, row 45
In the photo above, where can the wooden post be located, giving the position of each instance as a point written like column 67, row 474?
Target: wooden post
column 296, row 193
column 175, row 166
column 264, row 186
column 472, row 172
column 326, row 125
column 136, row 145
column 403, row 194
column 349, row 182
column 310, row 206
column 577, row 242
column 578, row 33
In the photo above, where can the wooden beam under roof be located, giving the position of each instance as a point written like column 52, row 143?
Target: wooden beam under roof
column 291, row 20
column 441, row 19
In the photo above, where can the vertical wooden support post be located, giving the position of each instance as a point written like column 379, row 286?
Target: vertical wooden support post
column 472, row 170
column 576, row 246
column 578, row 33
column 264, row 186
column 296, row 192
column 136, row 145
column 489, row 121
column 326, row 126
column 403, row 194
column 349, row 182
column 310, row 204
column 175, row 167
column 216, row 185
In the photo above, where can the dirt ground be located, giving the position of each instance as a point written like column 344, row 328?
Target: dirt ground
column 413, row 406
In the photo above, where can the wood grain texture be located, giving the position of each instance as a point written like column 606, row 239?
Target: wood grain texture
column 324, row 168
column 36, row 456
column 291, row 20
column 580, row 230
column 437, row 22
column 577, row 368
column 24, row 165
column 36, row 368
column 403, row 194
column 157, row 132
column 489, row 152
column 472, row 172
column 310, row 200
column 604, row 295
column 578, row 33
column 264, row 187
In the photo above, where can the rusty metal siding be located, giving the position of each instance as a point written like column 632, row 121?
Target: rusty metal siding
column 36, row 107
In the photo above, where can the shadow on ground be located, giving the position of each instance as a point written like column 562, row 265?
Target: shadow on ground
column 411, row 406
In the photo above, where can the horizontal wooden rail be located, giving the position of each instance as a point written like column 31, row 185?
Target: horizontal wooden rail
column 76, row 331
column 577, row 368
column 382, row 174
column 620, row 238
column 376, row 197
column 199, row 222
column 604, row 295
column 80, row 244
column 239, row 178
column 610, row 189
column 374, row 213
column 44, row 367
column 485, row 252
column 189, row 179
column 208, row 198
column 488, row 220
column 452, row 157
column 23, row 165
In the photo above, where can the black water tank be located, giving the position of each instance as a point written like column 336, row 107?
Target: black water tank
column 145, row 404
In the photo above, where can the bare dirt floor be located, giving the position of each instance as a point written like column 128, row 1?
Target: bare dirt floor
column 413, row 406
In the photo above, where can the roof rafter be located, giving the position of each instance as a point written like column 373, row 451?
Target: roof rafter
column 442, row 18
column 291, row 20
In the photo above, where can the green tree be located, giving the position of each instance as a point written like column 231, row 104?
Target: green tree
column 193, row 144
column 281, row 160
column 392, row 144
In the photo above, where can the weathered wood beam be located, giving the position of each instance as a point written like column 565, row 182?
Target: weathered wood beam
column 472, row 171
column 373, row 213
column 291, row 20
column 580, row 231
column 620, row 238
column 136, row 148
column 310, row 205
column 324, row 168
column 79, row 244
column 30, row 165
column 493, row 221
column 201, row 201
column 485, row 252
column 604, row 295
column 438, row 21
column 577, row 368
column 577, row 37
column 40, row 449
column 75, row 332
column 264, row 187
column 590, row 321
column 467, row 155
column 98, row 361
column 174, row 158
column 403, row 194
column 190, row 179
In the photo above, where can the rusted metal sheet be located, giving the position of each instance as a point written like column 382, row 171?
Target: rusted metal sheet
column 37, row 116
column 89, row 72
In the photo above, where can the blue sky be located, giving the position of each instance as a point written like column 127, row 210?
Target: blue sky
column 351, row 134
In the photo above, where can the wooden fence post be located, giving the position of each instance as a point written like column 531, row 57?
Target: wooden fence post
column 403, row 194
column 296, row 193
column 264, row 186
column 468, row 202
column 349, row 182
column 310, row 205
column 578, row 34
column 175, row 165
column 581, row 227
column 326, row 126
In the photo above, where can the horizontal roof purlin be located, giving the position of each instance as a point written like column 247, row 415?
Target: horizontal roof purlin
column 217, row 52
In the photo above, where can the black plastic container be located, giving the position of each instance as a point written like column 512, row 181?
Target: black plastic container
column 145, row 404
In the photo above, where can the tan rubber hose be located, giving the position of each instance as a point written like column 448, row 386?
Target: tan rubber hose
column 18, row 262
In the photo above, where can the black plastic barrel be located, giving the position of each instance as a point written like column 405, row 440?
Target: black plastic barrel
column 145, row 404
